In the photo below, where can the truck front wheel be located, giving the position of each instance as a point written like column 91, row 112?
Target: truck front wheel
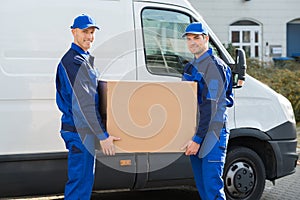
column 244, row 174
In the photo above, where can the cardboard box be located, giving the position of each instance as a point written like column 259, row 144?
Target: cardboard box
column 149, row 116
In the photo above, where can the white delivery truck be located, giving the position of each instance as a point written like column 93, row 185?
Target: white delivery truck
column 138, row 40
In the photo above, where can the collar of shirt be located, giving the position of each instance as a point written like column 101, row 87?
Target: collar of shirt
column 208, row 53
column 80, row 51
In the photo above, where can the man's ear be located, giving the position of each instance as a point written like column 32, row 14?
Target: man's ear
column 73, row 31
column 207, row 38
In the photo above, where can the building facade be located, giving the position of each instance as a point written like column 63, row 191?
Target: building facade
column 265, row 29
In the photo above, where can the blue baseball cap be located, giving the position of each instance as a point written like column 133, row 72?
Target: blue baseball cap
column 84, row 21
column 195, row 28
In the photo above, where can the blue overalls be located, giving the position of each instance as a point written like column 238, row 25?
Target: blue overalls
column 214, row 95
column 77, row 99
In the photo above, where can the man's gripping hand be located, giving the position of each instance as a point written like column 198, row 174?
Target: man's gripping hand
column 191, row 148
column 108, row 146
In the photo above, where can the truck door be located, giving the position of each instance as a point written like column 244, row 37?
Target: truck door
column 161, row 56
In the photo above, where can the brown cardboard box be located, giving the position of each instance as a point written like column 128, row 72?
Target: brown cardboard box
column 149, row 116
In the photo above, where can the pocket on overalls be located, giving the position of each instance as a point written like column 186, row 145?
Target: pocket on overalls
column 219, row 151
column 224, row 135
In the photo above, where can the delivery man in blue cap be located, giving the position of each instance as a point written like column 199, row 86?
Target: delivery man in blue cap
column 207, row 148
column 77, row 99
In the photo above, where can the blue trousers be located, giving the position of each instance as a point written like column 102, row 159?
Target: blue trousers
column 81, row 165
column 208, row 166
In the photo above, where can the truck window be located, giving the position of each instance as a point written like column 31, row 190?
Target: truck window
column 165, row 49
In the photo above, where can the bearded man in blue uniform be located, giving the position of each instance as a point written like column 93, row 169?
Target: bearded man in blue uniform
column 207, row 148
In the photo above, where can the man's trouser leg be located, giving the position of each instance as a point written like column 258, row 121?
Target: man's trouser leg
column 208, row 167
column 81, row 164
column 198, row 177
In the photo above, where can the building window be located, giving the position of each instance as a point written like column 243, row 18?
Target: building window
column 247, row 35
column 235, row 36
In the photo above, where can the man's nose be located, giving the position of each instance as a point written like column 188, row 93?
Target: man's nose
column 192, row 42
column 89, row 35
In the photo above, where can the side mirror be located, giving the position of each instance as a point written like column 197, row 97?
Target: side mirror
column 239, row 70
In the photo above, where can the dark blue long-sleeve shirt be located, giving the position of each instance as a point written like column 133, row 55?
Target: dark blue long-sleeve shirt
column 77, row 94
column 214, row 92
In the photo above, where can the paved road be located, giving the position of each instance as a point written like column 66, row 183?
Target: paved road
column 286, row 188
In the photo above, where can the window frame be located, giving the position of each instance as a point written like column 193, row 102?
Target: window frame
column 212, row 44
column 144, row 41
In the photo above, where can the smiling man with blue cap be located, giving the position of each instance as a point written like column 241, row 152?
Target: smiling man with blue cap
column 77, row 98
column 83, row 30
column 207, row 148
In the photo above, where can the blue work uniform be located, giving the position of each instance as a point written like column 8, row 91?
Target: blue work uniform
column 81, row 125
column 214, row 95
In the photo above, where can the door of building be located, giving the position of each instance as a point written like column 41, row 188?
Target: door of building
column 293, row 42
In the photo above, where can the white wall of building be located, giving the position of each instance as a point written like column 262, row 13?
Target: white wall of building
column 272, row 15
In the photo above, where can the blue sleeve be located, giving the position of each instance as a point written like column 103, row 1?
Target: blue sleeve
column 229, row 92
column 62, row 95
column 191, row 73
column 214, row 94
column 85, row 100
column 211, row 100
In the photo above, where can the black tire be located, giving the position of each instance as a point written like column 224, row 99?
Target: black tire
column 244, row 174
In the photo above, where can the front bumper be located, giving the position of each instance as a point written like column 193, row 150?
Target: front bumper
column 286, row 156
